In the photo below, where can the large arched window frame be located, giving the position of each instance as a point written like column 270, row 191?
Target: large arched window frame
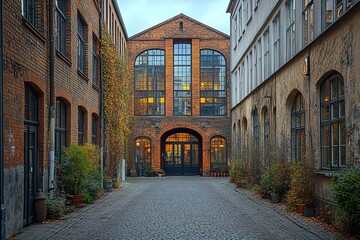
column 212, row 83
column 245, row 131
column 332, row 123
column 218, row 158
column 60, row 128
column 256, row 128
column 298, row 128
column 150, row 83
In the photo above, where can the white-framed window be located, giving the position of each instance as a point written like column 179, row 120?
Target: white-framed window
column 240, row 21
column 276, row 34
column 290, row 29
column 251, row 71
column 255, row 66
column 267, row 60
column 235, row 30
column 259, row 63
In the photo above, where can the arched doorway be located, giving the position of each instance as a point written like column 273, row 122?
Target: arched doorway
column 181, row 152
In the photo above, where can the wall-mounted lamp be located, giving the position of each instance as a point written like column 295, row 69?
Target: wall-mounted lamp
column 306, row 66
column 157, row 124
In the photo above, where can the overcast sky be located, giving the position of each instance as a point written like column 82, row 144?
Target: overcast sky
column 139, row 15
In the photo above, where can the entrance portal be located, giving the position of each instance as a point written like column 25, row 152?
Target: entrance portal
column 181, row 154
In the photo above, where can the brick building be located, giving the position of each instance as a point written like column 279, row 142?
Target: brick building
column 43, row 83
column 294, row 75
column 181, row 99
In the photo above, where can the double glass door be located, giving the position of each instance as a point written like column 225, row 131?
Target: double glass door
column 181, row 159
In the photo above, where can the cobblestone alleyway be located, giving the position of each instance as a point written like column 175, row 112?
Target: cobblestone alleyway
column 178, row 208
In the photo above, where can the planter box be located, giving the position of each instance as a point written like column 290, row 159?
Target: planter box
column 275, row 198
column 308, row 211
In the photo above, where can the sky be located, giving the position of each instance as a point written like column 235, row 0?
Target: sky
column 139, row 15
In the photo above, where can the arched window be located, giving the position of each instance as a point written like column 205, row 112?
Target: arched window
column 266, row 127
column 81, row 126
column 218, row 160
column 256, row 128
column 212, row 83
column 245, row 131
column 181, row 26
column 332, row 122
column 60, row 128
column 150, row 83
column 142, row 155
column 298, row 128
column 94, row 129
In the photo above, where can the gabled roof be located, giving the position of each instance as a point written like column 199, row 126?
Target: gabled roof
column 181, row 15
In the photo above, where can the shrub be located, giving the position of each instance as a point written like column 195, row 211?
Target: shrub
column 276, row 178
column 301, row 185
column 55, row 208
column 238, row 172
column 346, row 190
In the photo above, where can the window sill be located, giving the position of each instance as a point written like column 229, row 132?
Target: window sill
column 326, row 173
column 82, row 75
column 96, row 87
column 62, row 57
column 33, row 30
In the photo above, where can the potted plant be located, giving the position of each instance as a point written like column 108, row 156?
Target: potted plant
column 75, row 169
column 300, row 197
column 275, row 180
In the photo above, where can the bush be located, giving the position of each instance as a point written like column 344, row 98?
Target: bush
column 238, row 172
column 346, row 190
column 55, row 208
column 301, row 185
column 276, row 178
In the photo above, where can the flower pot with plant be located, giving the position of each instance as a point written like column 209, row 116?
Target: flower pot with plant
column 275, row 180
column 75, row 169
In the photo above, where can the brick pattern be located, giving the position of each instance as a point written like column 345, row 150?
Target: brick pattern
column 27, row 60
column 162, row 37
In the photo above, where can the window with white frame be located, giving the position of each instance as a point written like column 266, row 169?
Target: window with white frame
column 290, row 29
column 308, row 22
column 240, row 21
column 267, row 60
column 276, row 34
column 259, row 63
column 251, row 71
column 245, row 9
column 250, row 8
column 255, row 67
column 235, row 31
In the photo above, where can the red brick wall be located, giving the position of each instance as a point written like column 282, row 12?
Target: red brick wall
column 162, row 37
column 26, row 54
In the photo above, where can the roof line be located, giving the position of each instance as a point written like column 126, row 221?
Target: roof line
column 117, row 9
column 179, row 16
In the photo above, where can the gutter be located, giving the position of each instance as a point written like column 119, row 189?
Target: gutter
column 101, row 97
column 2, row 197
column 52, row 98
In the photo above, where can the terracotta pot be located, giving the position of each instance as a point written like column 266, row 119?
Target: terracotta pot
column 77, row 200
column 300, row 208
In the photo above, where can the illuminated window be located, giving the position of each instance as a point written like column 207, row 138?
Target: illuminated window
column 150, row 83
column 332, row 122
column 143, row 152
column 182, row 79
column 218, row 148
column 212, row 84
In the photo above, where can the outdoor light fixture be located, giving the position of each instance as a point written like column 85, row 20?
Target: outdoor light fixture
column 306, row 66
column 157, row 124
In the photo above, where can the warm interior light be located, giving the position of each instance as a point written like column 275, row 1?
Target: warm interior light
column 202, row 100
column 137, row 144
column 162, row 100
column 186, row 87
column 150, row 100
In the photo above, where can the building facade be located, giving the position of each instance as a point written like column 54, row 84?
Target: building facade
column 181, row 99
column 294, row 82
column 40, row 83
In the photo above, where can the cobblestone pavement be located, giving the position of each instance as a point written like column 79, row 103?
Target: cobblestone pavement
column 178, row 208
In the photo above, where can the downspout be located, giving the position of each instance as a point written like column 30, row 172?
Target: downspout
column 101, row 98
column 52, row 98
column 2, row 198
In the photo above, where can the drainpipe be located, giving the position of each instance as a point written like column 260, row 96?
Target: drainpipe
column 101, row 98
column 2, row 198
column 52, row 98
